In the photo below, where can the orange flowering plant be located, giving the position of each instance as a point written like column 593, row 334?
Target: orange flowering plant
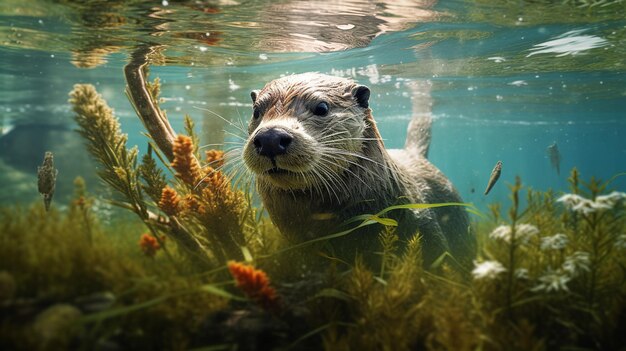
column 149, row 244
column 254, row 283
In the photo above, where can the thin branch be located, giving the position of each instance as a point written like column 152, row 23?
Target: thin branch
column 147, row 109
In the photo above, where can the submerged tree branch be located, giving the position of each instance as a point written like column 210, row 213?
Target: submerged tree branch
column 147, row 109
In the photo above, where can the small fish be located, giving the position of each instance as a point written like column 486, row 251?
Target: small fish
column 495, row 175
column 47, row 178
column 555, row 157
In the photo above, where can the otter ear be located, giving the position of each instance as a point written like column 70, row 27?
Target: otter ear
column 253, row 95
column 362, row 95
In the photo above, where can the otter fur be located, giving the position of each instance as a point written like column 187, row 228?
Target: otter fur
column 319, row 159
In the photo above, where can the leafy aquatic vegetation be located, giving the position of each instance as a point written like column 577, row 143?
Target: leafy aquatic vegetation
column 201, row 268
column 68, row 280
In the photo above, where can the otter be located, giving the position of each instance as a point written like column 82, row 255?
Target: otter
column 319, row 160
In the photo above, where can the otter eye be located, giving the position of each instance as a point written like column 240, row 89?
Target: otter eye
column 256, row 114
column 321, row 109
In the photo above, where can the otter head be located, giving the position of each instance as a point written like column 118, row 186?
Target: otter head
column 307, row 131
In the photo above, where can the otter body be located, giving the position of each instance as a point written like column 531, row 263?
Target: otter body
column 319, row 160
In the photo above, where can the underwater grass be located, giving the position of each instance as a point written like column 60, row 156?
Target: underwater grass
column 96, row 278
column 347, row 305
column 198, row 208
column 198, row 267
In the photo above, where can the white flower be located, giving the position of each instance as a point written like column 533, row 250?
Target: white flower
column 523, row 232
column 521, row 273
column 554, row 242
column 620, row 242
column 502, row 232
column 487, row 269
column 570, row 200
column 609, row 201
column 578, row 261
column 579, row 204
column 586, row 206
column 552, row 281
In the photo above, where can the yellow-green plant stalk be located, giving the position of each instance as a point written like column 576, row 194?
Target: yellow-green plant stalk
column 107, row 144
column 81, row 206
column 513, row 215
column 389, row 240
column 153, row 178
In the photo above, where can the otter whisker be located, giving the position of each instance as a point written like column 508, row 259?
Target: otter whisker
column 311, row 177
column 224, row 166
column 329, row 159
column 222, row 118
column 331, row 180
column 241, row 138
column 320, row 183
column 243, row 176
column 329, row 176
column 218, row 145
column 213, row 146
column 339, row 141
column 357, row 155
column 333, row 154
column 233, row 152
column 306, row 178
column 345, row 155
column 348, row 170
column 337, row 134
column 230, row 153
column 236, row 169
column 232, row 157
column 332, row 135
column 364, row 169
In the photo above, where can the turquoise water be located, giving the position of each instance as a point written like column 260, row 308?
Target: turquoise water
column 506, row 79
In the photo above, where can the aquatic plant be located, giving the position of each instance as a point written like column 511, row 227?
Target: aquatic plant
column 154, row 181
column 563, row 265
column 185, row 163
column 203, row 213
column 557, row 241
column 119, row 169
column 64, row 264
column 212, row 201
column 81, row 207
column 255, row 284
column 106, row 143
column 549, row 275
column 487, row 269
column 170, row 201
column 46, row 179
column 560, row 256
column 149, row 244
column 386, row 312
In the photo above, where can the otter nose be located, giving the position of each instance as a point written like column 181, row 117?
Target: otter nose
column 272, row 142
